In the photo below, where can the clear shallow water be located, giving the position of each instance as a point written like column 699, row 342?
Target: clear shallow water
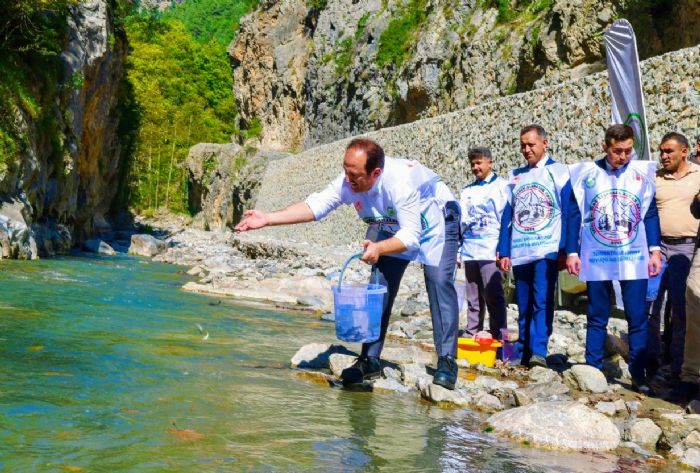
column 103, row 368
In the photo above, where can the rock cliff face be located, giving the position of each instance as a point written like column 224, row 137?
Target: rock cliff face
column 223, row 181
column 61, row 184
column 311, row 76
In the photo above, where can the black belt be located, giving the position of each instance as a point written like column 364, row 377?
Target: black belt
column 678, row 240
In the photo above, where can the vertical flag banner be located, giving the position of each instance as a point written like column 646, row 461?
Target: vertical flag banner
column 626, row 84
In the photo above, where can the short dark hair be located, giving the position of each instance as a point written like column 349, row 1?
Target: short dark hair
column 534, row 127
column 479, row 151
column 374, row 153
column 677, row 137
column 618, row 132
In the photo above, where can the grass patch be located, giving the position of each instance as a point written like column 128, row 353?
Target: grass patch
column 343, row 56
column 397, row 40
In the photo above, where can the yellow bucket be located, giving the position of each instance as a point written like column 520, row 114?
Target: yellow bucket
column 477, row 354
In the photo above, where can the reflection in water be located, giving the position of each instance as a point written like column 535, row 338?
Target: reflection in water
column 104, row 368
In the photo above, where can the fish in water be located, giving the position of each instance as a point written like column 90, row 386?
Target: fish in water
column 201, row 330
column 215, row 303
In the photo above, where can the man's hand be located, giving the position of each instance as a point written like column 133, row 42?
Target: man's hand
column 573, row 265
column 654, row 263
column 504, row 264
column 372, row 252
column 252, row 220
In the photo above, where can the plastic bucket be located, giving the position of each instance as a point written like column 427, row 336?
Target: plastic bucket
column 510, row 337
column 476, row 353
column 358, row 309
column 358, row 312
column 654, row 284
column 461, row 288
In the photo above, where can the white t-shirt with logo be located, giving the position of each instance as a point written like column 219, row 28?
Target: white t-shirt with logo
column 405, row 202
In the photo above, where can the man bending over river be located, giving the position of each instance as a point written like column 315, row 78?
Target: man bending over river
column 412, row 215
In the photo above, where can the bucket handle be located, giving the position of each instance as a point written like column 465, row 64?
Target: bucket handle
column 342, row 271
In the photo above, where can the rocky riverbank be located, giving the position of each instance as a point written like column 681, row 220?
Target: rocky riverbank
column 570, row 406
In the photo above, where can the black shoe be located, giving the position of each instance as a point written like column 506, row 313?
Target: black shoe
column 642, row 387
column 683, row 393
column 364, row 368
column 446, row 374
column 537, row 360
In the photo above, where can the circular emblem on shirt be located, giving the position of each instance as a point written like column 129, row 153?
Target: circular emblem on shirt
column 533, row 209
column 589, row 182
column 615, row 217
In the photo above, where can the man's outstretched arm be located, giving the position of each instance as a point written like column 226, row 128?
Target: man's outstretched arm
column 299, row 212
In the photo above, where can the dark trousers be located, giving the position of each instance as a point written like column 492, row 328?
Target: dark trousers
column 484, row 290
column 673, row 284
column 439, row 283
column 633, row 298
column 534, row 294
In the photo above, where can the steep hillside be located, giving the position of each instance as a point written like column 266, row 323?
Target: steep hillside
column 60, row 68
column 311, row 72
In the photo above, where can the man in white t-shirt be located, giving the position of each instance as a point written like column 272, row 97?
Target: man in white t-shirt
column 412, row 215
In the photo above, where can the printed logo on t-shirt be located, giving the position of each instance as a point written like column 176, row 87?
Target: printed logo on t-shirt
column 615, row 215
column 533, row 209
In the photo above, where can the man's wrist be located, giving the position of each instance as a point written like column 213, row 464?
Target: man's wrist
column 573, row 254
column 654, row 248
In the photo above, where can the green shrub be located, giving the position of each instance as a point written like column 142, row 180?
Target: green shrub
column 398, row 38
column 343, row 56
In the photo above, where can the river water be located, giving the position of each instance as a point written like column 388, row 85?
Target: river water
column 105, row 365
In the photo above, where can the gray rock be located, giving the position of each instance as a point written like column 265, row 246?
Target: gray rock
column 316, row 355
column 539, row 374
column 644, row 432
column 486, row 402
column 413, row 373
column 310, row 301
column 691, row 458
column 587, row 378
column 607, row 408
column 692, row 440
column 560, row 425
column 337, row 362
column 693, row 407
column 390, row 385
column 407, row 355
column 433, row 392
column 146, row 245
column 99, row 246
column 542, row 392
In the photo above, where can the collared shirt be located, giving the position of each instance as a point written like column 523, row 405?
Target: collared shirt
column 673, row 198
column 482, row 182
column 542, row 162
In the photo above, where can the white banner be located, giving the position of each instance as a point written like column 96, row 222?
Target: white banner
column 626, row 84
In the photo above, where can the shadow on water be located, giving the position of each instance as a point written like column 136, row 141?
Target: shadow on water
column 107, row 366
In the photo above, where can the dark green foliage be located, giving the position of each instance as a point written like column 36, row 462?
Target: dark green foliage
column 211, row 19
column 397, row 40
column 317, row 4
column 35, row 27
column 361, row 25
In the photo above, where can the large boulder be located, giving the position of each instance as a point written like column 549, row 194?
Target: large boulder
column 146, row 245
column 563, row 425
column 586, row 378
column 99, row 247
